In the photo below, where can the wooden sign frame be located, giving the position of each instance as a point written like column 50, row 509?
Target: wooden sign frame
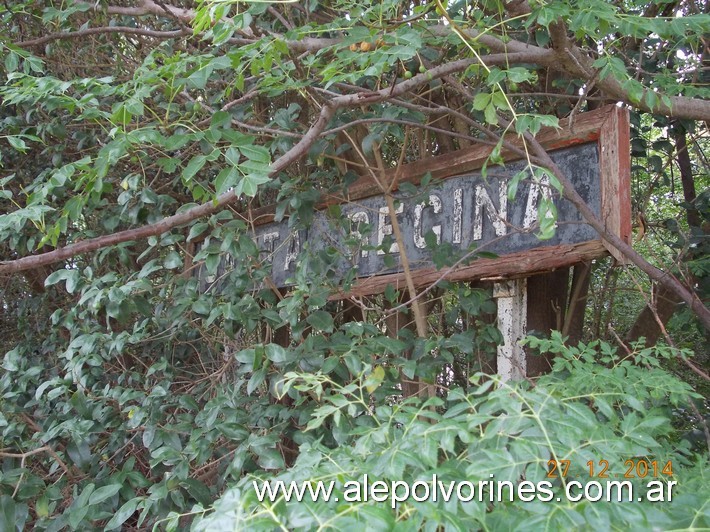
column 608, row 127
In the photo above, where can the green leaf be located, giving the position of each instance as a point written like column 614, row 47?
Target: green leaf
column 134, row 106
column 232, row 156
column 547, row 217
column 220, row 119
column 256, row 153
column 198, row 79
column 491, row 115
column 202, row 306
column 196, row 230
column 391, row 293
column 104, row 493
column 164, row 454
column 13, row 516
column 124, row 513
column 320, row 321
column 70, row 276
column 519, row 74
column 542, row 37
column 226, row 179
column 172, row 261
column 249, row 184
column 409, row 368
column 194, row 166
column 73, row 207
column 481, row 101
column 270, row 459
column 198, row 490
column 374, row 380
column 121, row 115
column 379, row 517
column 499, row 100
column 514, row 182
column 17, row 143
column 277, row 354
column 495, row 76
column 257, row 379
column 80, row 507
column 651, row 98
column 329, row 364
column 172, row 522
column 11, row 361
column 634, row 90
column 12, row 61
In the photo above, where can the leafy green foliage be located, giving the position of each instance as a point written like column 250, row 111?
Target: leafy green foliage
column 145, row 380
column 595, row 405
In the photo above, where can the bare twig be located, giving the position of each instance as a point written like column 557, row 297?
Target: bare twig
column 24, row 456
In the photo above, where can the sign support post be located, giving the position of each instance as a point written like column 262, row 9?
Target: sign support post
column 512, row 300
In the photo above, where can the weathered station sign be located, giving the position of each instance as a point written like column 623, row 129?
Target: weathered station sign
column 464, row 210
column 461, row 211
column 468, row 212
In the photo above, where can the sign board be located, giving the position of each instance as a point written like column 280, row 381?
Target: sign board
column 461, row 212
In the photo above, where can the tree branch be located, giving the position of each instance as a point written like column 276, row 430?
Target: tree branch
column 664, row 278
column 405, row 123
column 150, row 7
column 572, row 60
column 564, row 57
column 101, row 30
column 222, row 201
column 145, row 7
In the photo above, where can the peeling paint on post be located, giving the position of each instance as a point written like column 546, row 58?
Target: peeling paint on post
column 512, row 300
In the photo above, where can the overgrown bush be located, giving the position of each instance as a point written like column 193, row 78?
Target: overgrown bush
column 595, row 406
column 102, row 439
column 152, row 369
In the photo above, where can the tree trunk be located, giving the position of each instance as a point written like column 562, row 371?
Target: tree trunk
column 579, row 292
column 686, row 173
column 662, row 306
column 547, row 299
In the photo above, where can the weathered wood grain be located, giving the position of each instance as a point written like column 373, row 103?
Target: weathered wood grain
column 505, row 267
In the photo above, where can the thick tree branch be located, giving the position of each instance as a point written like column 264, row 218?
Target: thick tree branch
column 565, row 57
column 283, row 162
column 184, row 16
column 150, row 7
column 145, row 7
column 572, row 60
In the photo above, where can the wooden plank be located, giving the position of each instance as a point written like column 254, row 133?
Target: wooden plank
column 586, row 127
column 609, row 196
column 464, row 212
column 505, row 267
column 615, row 162
column 512, row 301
